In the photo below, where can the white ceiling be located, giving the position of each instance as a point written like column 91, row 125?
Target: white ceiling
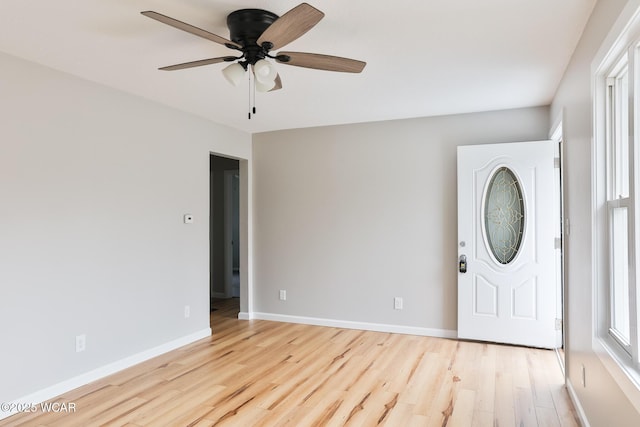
column 424, row 58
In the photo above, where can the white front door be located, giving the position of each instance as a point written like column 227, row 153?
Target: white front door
column 508, row 212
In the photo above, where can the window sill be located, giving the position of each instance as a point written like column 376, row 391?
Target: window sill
column 620, row 368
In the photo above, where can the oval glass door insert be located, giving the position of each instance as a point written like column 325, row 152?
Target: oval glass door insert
column 504, row 215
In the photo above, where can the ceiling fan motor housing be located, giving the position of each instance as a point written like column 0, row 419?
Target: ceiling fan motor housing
column 247, row 25
column 245, row 28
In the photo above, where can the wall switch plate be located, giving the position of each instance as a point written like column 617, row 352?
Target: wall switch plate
column 397, row 303
column 81, row 343
column 188, row 219
column 283, row 295
column 187, row 311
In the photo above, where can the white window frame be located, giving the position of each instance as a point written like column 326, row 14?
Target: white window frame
column 622, row 360
column 619, row 111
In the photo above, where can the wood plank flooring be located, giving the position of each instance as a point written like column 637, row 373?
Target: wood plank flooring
column 261, row 373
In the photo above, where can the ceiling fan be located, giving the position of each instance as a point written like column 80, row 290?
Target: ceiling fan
column 255, row 33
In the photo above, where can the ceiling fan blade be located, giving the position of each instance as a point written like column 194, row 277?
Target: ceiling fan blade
column 321, row 62
column 278, row 83
column 291, row 25
column 190, row 29
column 198, row 63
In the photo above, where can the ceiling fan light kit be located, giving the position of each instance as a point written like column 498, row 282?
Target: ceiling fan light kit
column 254, row 33
column 264, row 86
column 234, row 73
column 264, row 71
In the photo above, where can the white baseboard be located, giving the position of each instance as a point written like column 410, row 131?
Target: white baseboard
column 243, row 315
column 576, row 404
column 346, row 324
column 96, row 374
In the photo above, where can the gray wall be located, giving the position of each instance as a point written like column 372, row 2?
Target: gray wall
column 94, row 184
column 348, row 217
column 602, row 399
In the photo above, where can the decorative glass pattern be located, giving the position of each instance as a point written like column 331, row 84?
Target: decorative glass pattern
column 504, row 215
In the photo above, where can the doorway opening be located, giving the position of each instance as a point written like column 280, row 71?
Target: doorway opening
column 224, row 226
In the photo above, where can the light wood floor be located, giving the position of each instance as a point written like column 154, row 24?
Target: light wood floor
column 261, row 373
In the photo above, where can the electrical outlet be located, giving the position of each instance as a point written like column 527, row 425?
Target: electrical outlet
column 283, row 295
column 397, row 303
column 81, row 343
column 187, row 311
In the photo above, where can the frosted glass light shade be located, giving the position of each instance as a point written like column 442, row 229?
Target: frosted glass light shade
column 264, row 87
column 234, row 73
column 264, row 71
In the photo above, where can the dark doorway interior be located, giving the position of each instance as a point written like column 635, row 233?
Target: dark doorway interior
column 224, row 265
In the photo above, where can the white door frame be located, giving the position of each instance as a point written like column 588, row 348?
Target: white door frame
column 557, row 135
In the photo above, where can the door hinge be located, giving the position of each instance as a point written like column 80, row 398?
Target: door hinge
column 558, row 324
column 556, row 162
column 557, row 243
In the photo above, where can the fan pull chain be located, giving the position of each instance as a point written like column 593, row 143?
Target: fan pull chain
column 252, row 92
column 253, row 89
column 250, row 72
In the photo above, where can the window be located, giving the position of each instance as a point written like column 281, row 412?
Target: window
column 619, row 203
column 504, row 215
column 616, row 141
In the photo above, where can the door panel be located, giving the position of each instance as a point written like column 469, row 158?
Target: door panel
column 507, row 216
